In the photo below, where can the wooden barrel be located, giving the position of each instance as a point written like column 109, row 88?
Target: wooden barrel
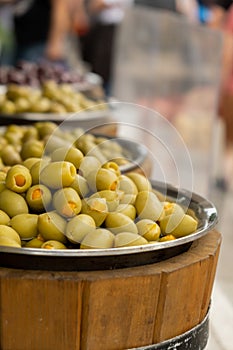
column 108, row 310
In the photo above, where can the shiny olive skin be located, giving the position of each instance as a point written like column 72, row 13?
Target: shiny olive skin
column 148, row 205
column 9, row 242
column 9, row 232
column 38, row 198
column 178, row 226
column 112, row 198
column 80, row 185
column 172, row 208
column 4, row 218
column 89, row 165
column 18, row 178
column 52, row 226
column 30, row 134
column 36, row 170
column 106, row 180
column 2, row 180
column 10, row 156
column 128, row 210
column 45, row 128
column 142, row 183
column 32, row 148
column 58, row 174
column 69, row 154
column 128, row 239
column 34, row 243
column 113, row 166
column 25, row 225
column 98, row 239
column 78, row 227
column 29, row 162
column 118, row 222
column 12, row 203
column 148, row 229
column 53, row 244
column 127, row 185
column 97, row 208
column 67, row 202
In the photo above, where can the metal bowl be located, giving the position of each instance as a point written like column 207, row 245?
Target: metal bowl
column 115, row 258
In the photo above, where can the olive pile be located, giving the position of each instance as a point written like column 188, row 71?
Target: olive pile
column 18, row 143
column 66, row 199
column 50, row 98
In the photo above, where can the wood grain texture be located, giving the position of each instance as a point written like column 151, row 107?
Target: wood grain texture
column 110, row 310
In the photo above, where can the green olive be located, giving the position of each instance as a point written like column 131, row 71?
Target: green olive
column 80, row 185
column 22, row 105
column 95, row 207
column 128, row 210
column 13, row 138
column 58, row 174
column 29, row 162
column 25, row 225
column 12, row 203
column 2, row 180
column 18, row 178
column 32, row 148
column 172, row 208
column 127, row 185
column 78, row 227
column 52, row 226
column 45, row 128
column 53, row 244
column 30, row 134
column 9, row 232
column 34, row 243
column 142, row 183
column 178, row 226
column 106, row 180
column 53, row 142
column 88, row 169
column 42, row 105
column 38, row 198
column 118, row 222
column 9, row 242
column 128, row 198
column 98, row 239
column 113, row 166
column 67, row 202
column 69, row 154
column 128, row 239
column 148, row 206
column 10, row 156
column 112, row 198
column 88, row 165
column 8, row 107
column 4, row 218
column 36, row 170
column 148, row 229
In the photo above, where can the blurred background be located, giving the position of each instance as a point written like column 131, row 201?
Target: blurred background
column 166, row 70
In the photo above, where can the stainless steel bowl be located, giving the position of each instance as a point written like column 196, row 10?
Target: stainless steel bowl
column 105, row 259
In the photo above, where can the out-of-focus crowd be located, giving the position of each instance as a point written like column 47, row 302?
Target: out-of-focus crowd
column 39, row 29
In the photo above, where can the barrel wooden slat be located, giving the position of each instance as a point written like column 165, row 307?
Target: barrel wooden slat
column 39, row 313
column 112, row 310
column 127, row 300
column 179, row 306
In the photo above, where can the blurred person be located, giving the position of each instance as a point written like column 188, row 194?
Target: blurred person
column 226, row 93
column 40, row 29
column 97, row 40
